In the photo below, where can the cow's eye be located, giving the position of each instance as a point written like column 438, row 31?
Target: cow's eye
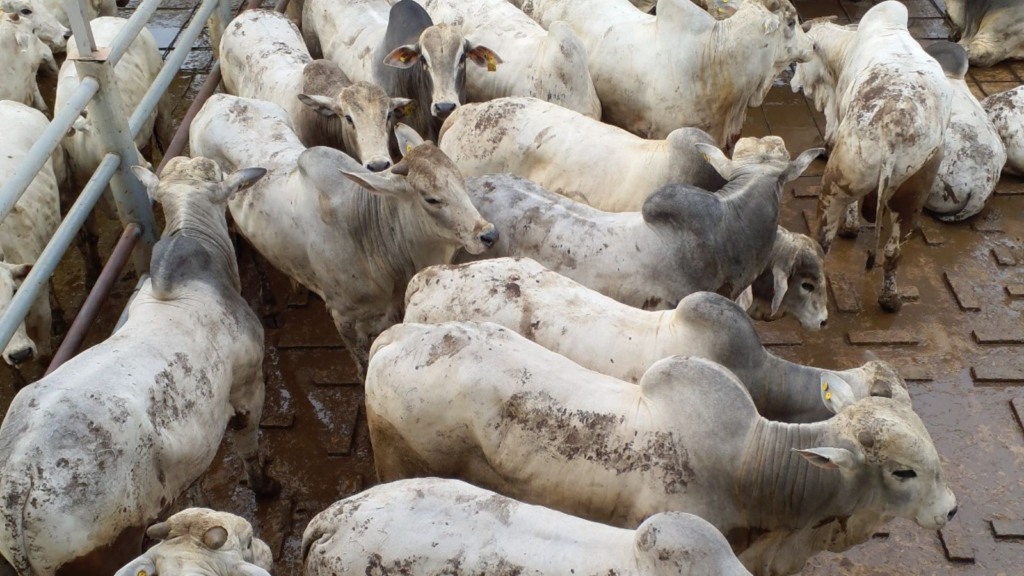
column 26, row 11
column 433, row 201
column 904, row 474
column 808, row 286
column 349, row 119
column 792, row 23
column 389, row 116
column 462, row 58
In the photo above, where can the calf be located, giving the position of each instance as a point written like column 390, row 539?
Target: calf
column 482, row 404
column 42, row 22
column 92, row 452
column 263, row 57
column 886, row 105
column 436, row 526
column 974, row 154
column 680, row 60
column 202, row 541
column 547, row 64
column 1006, row 110
column 990, row 30
column 685, row 239
column 623, row 342
column 572, row 155
column 354, row 241
column 28, row 228
column 24, row 53
column 401, row 50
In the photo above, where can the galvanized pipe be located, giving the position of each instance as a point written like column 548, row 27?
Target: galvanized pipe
column 171, row 66
column 84, row 41
column 100, row 291
column 127, row 34
column 54, row 251
column 12, row 190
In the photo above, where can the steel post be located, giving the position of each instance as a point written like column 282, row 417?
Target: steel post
column 84, row 41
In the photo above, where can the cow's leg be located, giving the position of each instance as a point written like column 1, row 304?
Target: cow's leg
column 831, row 204
column 88, row 246
column 247, row 400
column 889, row 298
column 355, row 341
column 850, row 226
column 37, row 101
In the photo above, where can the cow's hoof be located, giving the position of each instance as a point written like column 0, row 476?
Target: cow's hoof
column 848, row 233
column 266, row 487
column 890, row 302
column 870, row 262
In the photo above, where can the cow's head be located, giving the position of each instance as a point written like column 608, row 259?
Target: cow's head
column 21, row 348
column 819, row 75
column 430, row 180
column 794, row 45
column 368, row 115
column 194, row 184
column 766, row 155
column 797, row 273
column 888, row 463
column 441, row 54
column 40, row 21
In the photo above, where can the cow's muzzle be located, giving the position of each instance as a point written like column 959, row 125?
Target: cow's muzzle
column 443, row 109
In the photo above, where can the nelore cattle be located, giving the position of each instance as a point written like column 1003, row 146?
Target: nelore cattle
column 578, row 157
column 693, row 70
column 886, row 104
column 547, row 64
column 482, row 404
column 621, row 341
column 40, row 20
column 401, row 49
column 263, row 57
column 92, row 453
column 353, row 237
column 1006, row 110
column 437, row 526
column 683, row 241
column 990, row 30
column 25, row 54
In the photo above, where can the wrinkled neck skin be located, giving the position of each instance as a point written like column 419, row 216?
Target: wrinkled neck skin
column 208, row 227
column 779, row 490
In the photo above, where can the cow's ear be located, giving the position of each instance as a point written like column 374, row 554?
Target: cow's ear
column 402, row 57
column 143, row 566
column 407, row 137
column 240, row 180
column 403, row 107
column 386, row 183
column 831, row 458
column 718, row 160
column 215, row 537
column 149, row 180
column 836, row 393
column 797, row 167
column 484, row 56
column 320, row 104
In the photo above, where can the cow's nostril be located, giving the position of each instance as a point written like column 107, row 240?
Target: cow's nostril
column 67, row 35
column 951, row 513
column 21, row 355
column 443, row 109
column 378, row 165
column 489, row 238
column 823, row 322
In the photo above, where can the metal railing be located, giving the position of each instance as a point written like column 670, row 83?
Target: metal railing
column 98, row 94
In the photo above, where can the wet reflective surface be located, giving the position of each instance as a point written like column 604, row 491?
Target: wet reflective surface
column 959, row 340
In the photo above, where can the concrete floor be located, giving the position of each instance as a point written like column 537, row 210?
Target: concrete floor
column 958, row 341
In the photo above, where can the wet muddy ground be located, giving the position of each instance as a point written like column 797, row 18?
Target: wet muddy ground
column 958, row 341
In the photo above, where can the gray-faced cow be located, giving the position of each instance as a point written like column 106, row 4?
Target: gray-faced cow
column 482, row 404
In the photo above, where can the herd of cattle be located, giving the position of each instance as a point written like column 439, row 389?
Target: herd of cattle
column 583, row 391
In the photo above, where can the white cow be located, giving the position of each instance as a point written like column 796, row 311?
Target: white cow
column 990, row 30
column 1006, row 110
column 547, row 64
column 436, row 526
column 684, row 240
column 26, row 230
column 43, row 23
column 974, row 154
column 92, row 453
column 24, row 53
column 353, row 237
column 886, row 104
column 578, row 157
column 693, row 70
column 482, row 404
column 135, row 73
column 93, row 9
column 793, row 283
column 621, row 341
column 263, row 56
column 202, row 541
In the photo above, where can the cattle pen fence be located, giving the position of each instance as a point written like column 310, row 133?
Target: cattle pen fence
column 97, row 93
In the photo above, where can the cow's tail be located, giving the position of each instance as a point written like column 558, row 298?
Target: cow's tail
column 15, row 491
column 885, row 183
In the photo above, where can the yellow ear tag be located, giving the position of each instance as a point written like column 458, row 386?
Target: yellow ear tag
column 408, row 147
column 824, row 385
column 403, row 58
column 142, row 573
column 492, row 65
column 720, row 10
column 407, row 110
column 828, row 395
